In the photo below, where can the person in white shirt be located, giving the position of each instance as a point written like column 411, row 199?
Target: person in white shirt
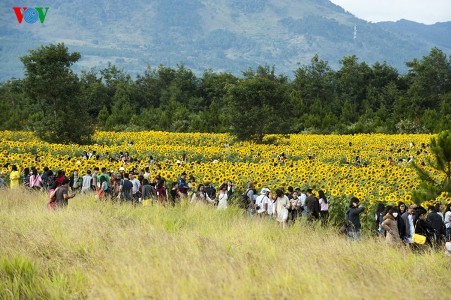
column 448, row 222
column 271, row 207
column 86, row 182
column 147, row 173
column 323, row 207
column 222, row 197
column 201, row 197
column 303, row 196
column 135, row 189
column 282, row 204
column 407, row 217
column 261, row 203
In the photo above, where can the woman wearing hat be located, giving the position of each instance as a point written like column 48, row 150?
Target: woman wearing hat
column 261, row 203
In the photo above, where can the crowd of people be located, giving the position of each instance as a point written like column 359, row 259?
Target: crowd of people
column 414, row 224
column 397, row 225
column 125, row 187
column 286, row 206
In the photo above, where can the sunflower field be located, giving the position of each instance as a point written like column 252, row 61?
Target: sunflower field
column 341, row 165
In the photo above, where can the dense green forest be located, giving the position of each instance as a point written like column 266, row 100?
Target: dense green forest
column 356, row 98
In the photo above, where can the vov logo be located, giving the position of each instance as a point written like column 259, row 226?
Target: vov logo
column 30, row 15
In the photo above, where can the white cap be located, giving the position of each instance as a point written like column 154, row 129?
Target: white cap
column 264, row 191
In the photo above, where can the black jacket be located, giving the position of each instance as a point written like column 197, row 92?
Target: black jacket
column 436, row 222
column 312, row 204
column 354, row 216
column 405, row 218
column 422, row 227
column 401, row 227
column 210, row 191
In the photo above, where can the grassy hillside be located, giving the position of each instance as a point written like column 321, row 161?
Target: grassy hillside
column 103, row 251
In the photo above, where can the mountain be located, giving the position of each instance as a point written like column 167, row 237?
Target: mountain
column 230, row 36
column 437, row 34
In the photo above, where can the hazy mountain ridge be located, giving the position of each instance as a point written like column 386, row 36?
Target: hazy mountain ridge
column 437, row 34
column 222, row 35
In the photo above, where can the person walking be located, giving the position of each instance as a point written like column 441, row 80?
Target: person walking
column 86, row 182
column 312, row 205
column 281, row 206
column 436, row 222
column 422, row 227
column 353, row 216
column 261, row 203
column 62, row 194
column 447, row 218
column 126, row 189
column 222, row 197
column 390, row 225
column 183, row 185
column 35, row 180
column 323, row 207
column 407, row 217
column 201, row 196
column 14, row 177
column 74, row 181
column 162, row 193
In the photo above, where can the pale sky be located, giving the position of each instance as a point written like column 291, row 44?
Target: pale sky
column 421, row 11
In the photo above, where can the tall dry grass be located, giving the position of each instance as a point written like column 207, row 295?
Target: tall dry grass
column 104, row 251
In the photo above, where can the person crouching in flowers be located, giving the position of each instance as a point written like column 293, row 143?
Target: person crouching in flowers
column 281, row 205
column 390, row 225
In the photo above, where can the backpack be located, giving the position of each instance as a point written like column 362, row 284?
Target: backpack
column 210, row 191
column 347, row 221
column 50, row 180
column 347, row 226
column 51, row 205
column 44, row 178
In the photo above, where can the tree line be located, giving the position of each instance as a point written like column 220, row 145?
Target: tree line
column 61, row 106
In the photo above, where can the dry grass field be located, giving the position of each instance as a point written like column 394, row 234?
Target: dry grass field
column 99, row 250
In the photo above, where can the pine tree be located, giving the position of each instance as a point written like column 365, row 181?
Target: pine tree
column 431, row 186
